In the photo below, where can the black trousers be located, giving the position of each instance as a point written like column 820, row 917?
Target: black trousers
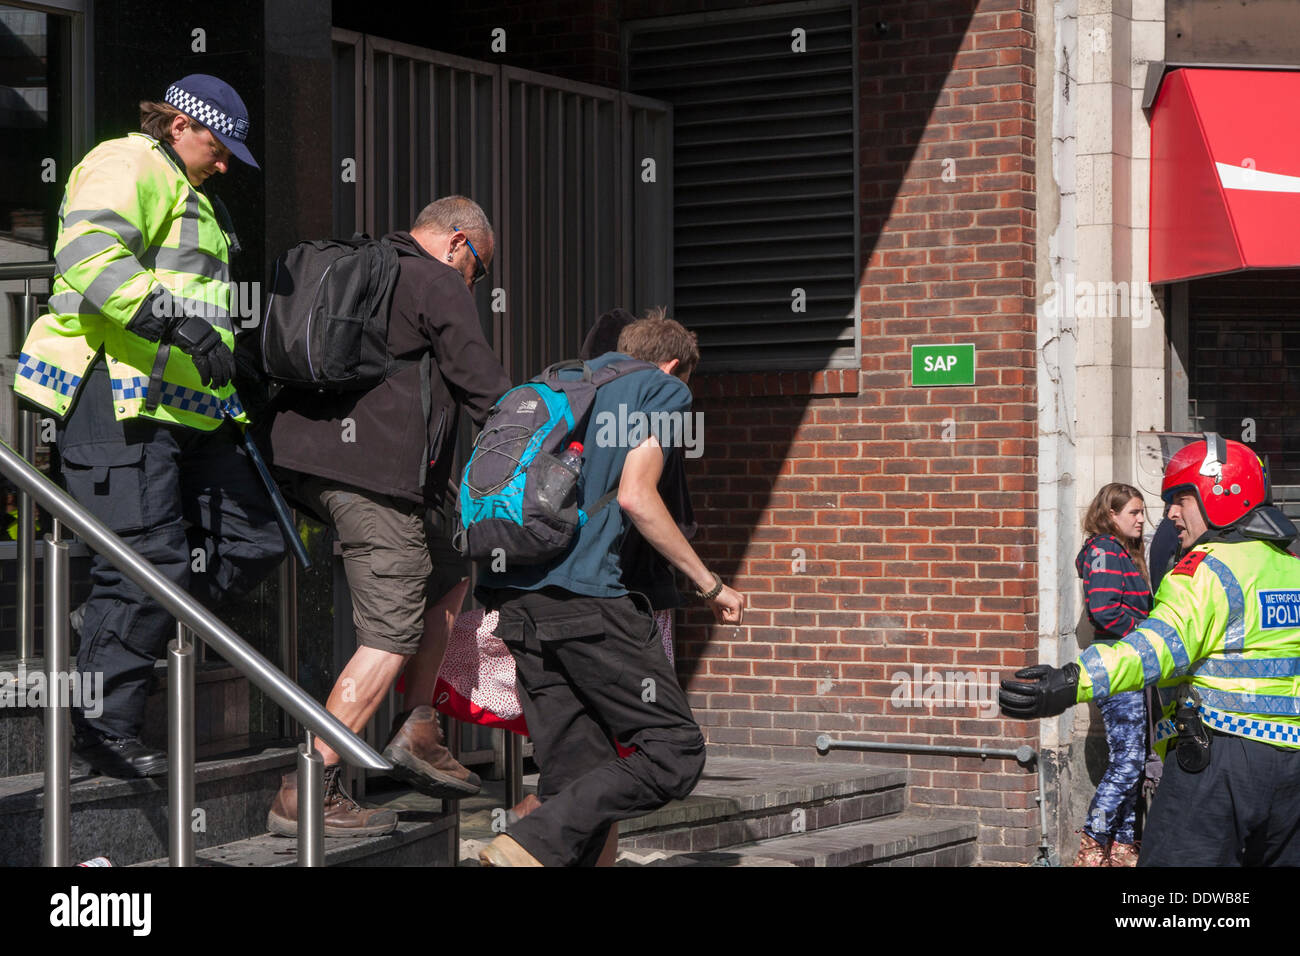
column 592, row 671
column 1241, row 810
column 169, row 492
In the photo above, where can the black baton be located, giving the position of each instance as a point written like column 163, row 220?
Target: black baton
column 278, row 503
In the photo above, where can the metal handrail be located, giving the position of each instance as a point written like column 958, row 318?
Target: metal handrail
column 1023, row 755
column 27, row 270
column 25, row 425
column 189, row 612
column 310, row 715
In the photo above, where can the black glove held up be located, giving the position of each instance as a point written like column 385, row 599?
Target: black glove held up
column 1053, row 691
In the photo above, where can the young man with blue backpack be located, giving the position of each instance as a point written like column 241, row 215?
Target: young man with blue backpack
column 590, row 665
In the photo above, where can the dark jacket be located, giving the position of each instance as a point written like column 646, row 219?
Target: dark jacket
column 1118, row 597
column 432, row 312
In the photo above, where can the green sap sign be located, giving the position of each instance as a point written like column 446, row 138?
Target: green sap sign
column 943, row 365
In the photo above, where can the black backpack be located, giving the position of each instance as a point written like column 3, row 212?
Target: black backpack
column 326, row 320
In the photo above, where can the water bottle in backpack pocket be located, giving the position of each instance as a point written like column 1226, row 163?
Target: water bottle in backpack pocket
column 519, row 494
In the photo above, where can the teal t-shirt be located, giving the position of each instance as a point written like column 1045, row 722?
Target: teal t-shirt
column 591, row 565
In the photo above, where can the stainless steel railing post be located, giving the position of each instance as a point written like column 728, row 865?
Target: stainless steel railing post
column 58, row 728
column 288, row 632
column 181, row 605
column 180, row 749
column 25, row 425
column 311, row 804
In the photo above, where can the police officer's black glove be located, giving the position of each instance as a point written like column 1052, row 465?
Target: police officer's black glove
column 1053, row 691
column 198, row 339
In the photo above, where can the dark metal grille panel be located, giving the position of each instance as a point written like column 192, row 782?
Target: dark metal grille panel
column 765, row 179
column 563, row 189
column 1245, row 341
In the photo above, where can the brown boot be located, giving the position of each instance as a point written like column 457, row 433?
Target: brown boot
column 1124, row 854
column 420, row 759
column 1091, row 853
column 344, row 817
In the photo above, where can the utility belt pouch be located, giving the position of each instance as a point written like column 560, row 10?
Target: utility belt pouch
column 1193, row 745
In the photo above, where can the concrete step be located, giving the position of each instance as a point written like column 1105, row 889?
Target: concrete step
column 740, row 801
column 903, row 840
column 221, row 716
column 426, row 843
column 126, row 820
column 425, row 836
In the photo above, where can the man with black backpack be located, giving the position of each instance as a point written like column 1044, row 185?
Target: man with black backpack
column 587, row 651
column 375, row 464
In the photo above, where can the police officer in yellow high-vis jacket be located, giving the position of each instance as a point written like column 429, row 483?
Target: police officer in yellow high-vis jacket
column 134, row 360
column 1223, row 644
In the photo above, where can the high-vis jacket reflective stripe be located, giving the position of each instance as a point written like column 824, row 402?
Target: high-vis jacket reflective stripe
column 130, row 222
column 1228, row 622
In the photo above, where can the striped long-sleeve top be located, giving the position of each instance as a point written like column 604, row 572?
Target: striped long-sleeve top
column 1117, row 596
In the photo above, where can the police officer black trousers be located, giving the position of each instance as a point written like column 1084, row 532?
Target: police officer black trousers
column 169, row 492
column 1241, row 810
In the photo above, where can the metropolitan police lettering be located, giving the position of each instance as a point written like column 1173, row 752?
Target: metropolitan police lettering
column 1279, row 609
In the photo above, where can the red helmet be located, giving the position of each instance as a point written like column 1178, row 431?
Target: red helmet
column 1227, row 478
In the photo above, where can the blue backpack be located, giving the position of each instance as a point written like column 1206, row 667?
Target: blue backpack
column 526, row 430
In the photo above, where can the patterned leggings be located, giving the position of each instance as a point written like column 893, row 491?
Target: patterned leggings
column 1111, row 813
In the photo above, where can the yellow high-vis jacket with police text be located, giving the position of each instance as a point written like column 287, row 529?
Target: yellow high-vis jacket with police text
column 130, row 223
column 1227, row 620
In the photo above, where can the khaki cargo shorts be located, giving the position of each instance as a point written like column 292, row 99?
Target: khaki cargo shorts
column 385, row 547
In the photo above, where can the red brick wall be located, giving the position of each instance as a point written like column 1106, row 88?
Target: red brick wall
column 919, row 551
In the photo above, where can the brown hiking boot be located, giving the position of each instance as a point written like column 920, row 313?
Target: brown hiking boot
column 419, row 758
column 1091, row 853
column 344, row 817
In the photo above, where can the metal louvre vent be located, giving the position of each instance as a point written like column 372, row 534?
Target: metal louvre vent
column 764, row 174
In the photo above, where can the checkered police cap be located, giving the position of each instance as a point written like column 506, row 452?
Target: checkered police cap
column 217, row 106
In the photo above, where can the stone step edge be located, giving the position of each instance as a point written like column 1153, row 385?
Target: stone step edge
column 900, row 836
column 926, row 835
column 701, row 808
column 267, row 849
column 25, row 793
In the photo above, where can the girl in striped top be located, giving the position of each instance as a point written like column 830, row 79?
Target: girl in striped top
column 1118, row 595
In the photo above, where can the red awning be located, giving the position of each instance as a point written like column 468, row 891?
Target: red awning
column 1225, row 173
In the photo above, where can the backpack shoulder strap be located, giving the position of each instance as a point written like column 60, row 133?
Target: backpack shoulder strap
column 603, row 376
column 614, row 370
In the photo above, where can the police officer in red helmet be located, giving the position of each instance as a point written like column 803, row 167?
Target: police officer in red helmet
column 1223, row 645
